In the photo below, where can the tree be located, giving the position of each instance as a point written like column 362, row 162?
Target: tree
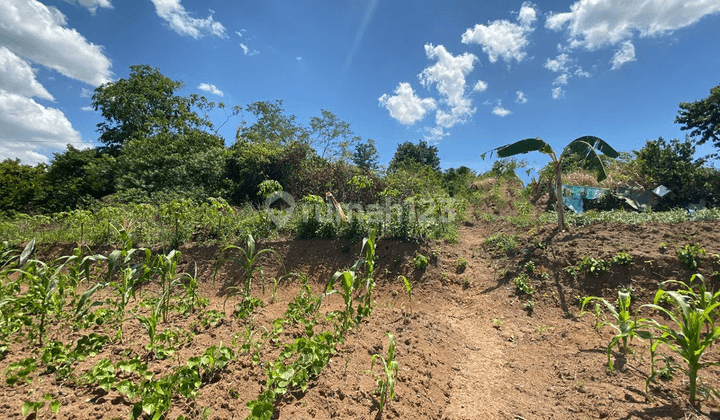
column 20, row 185
column 165, row 166
column 271, row 125
column 332, row 137
column 422, row 153
column 672, row 165
column 76, row 178
column 587, row 146
column 702, row 118
column 366, row 155
column 144, row 105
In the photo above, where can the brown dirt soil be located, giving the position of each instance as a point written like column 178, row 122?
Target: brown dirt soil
column 467, row 347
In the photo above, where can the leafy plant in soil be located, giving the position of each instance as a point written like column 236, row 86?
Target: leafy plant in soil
column 692, row 331
column 386, row 383
column 626, row 328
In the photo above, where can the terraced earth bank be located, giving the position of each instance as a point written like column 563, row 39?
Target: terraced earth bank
column 469, row 345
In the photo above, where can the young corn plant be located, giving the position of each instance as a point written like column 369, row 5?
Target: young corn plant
column 166, row 266
column 386, row 383
column 248, row 260
column 408, row 289
column 626, row 327
column 693, row 330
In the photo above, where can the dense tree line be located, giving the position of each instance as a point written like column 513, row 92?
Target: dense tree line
column 157, row 145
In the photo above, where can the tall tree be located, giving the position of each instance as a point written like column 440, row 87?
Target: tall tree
column 332, row 137
column 272, row 125
column 20, row 185
column 76, row 178
column 702, row 118
column 421, row 153
column 587, row 146
column 144, row 105
column 366, row 155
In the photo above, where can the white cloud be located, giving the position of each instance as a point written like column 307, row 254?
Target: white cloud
column 86, row 93
column 92, row 5
column 625, row 54
column 181, row 22
column 27, row 127
column 502, row 38
column 207, row 87
column 298, row 58
column 527, row 14
column 593, row 24
column 560, row 63
column 241, row 33
column 558, row 93
column 520, row 97
column 87, row 108
column 18, row 77
column 562, row 79
column 448, row 76
column 247, row 51
column 579, row 72
column 37, row 33
column 501, row 112
column 435, row 133
column 480, row 86
column 405, row 106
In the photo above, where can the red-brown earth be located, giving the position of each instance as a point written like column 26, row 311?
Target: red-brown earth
column 467, row 347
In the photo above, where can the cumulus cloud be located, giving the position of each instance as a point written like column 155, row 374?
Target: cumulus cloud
column 17, row 76
column 92, row 5
column 181, row 22
column 207, row 87
column 500, row 111
column 520, row 97
column 26, row 127
column 502, row 38
column 405, row 106
column 38, row 33
column 87, row 108
column 562, row 79
column 559, row 63
column 448, row 76
column 625, row 54
column 593, row 24
column 480, row 86
column 558, row 93
column 248, row 51
column 579, row 72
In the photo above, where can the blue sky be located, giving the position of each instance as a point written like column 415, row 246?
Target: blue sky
column 467, row 76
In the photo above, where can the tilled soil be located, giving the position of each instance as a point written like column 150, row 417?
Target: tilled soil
column 467, row 345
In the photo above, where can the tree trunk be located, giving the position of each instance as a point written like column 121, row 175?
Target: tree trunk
column 558, row 197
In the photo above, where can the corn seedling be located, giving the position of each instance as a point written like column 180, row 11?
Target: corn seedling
column 626, row 327
column 386, row 383
column 408, row 289
column 694, row 330
column 248, row 260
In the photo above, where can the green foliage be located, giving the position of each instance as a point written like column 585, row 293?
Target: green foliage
column 366, row 155
column 673, row 165
column 422, row 154
column 522, row 284
column 248, row 260
column 20, row 186
column 461, row 264
column 626, row 327
column 386, row 383
column 507, row 244
column 690, row 255
column 622, row 258
column 693, row 328
column 145, row 105
column 507, row 167
column 457, row 181
column 588, row 147
column 35, row 406
column 589, row 265
column 408, row 289
column 268, row 187
column 420, row 262
column 331, row 136
column 271, row 126
column 702, row 118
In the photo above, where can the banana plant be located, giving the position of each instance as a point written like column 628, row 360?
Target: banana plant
column 586, row 146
